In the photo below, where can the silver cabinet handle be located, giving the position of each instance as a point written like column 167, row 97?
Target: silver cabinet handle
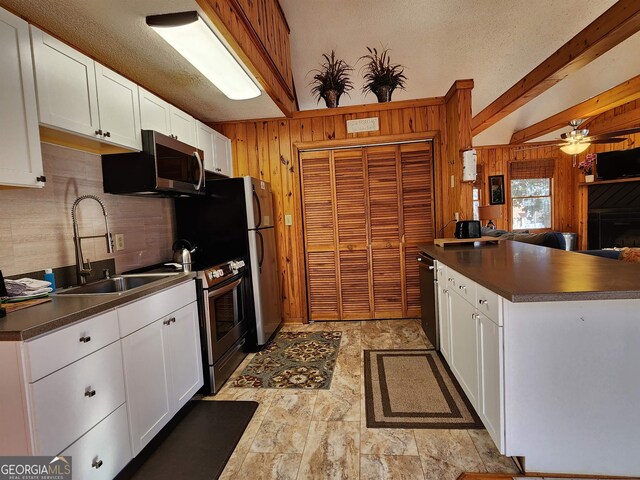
column 462, row 287
column 85, row 339
column 444, row 290
column 431, row 267
column 99, row 132
column 107, row 134
column 450, row 279
column 89, row 392
column 482, row 301
column 169, row 321
column 96, row 463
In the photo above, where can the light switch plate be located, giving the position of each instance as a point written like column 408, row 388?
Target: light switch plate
column 288, row 219
column 119, row 241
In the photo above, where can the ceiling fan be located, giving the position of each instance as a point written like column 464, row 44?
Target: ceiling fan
column 578, row 140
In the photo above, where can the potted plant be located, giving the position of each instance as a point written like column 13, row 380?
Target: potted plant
column 331, row 80
column 380, row 77
column 587, row 167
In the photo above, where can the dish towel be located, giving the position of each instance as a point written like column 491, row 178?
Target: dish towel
column 25, row 288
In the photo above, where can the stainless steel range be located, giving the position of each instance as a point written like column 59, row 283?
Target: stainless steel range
column 223, row 291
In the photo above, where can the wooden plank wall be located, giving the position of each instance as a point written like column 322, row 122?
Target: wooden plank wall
column 266, row 149
column 496, row 160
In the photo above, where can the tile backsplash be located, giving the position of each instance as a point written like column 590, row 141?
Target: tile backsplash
column 35, row 223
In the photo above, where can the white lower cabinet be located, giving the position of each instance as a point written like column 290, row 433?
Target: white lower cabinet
column 472, row 343
column 103, row 451
column 69, row 402
column 464, row 346
column 491, row 372
column 163, row 369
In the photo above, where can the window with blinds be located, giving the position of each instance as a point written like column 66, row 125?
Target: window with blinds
column 365, row 211
column 531, row 193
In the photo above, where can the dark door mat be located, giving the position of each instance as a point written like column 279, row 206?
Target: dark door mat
column 198, row 446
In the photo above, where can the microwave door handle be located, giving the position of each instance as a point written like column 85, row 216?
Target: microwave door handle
column 201, row 165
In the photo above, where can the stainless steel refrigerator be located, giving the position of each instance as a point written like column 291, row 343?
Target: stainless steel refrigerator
column 233, row 221
column 262, row 257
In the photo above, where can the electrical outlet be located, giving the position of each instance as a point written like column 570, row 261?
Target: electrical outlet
column 453, row 181
column 119, row 241
column 288, row 219
column 457, row 215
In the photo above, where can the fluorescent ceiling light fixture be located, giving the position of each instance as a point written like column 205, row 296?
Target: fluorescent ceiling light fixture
column 195, row 41
column 574, row 148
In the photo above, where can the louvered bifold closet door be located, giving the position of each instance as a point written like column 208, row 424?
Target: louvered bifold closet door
column 365, row 211
column 320, row 235
column 416, row 160
column 386, row 225
column 352, row 228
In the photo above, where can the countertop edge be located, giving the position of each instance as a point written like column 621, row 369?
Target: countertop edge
column 103, row 304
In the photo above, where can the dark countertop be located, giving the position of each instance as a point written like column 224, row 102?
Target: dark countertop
column 66, row 309
column 521, row 272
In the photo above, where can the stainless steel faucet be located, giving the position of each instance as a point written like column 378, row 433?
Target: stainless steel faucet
column 84, row 270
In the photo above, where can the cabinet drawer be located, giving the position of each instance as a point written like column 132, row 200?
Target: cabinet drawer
column 489, row 303
column 56, row 350
column 104, row 450
column 461, row 285
column 69, row 402
column 142, row 312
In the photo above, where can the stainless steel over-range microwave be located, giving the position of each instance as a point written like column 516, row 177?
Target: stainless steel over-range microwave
column 164, row 167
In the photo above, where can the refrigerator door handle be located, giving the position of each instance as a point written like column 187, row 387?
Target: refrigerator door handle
column 261, row 255
column 256, row 199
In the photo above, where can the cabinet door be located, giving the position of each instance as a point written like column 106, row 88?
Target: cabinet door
column 183, row 352
column 21, row 159
column 154, row 113
column 119, row 108
column 222, row 155
column 444, row 317
column 145, row 367
column 491, row 388
column 66, row 86
column 183, row 126
column 204, row 136
column 464, row 348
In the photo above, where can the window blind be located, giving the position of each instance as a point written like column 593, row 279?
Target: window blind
column 524, row 169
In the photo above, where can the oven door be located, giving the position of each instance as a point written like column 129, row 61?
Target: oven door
column 224, row 316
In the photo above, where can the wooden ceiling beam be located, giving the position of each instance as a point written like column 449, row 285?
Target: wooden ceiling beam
column 614, row 97
column 608, row 30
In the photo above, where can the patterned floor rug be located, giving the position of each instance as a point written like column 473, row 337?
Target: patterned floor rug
column 413, row 389
column 304, row 360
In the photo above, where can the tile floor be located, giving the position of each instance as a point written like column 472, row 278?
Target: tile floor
column 322, row 434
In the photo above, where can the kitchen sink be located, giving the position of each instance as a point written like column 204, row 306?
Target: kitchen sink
column 117, row 284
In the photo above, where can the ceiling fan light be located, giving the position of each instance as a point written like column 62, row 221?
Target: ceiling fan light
column 574, row 148
column 190, row 36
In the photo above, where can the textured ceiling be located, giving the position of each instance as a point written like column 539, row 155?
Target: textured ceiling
column 494, row 42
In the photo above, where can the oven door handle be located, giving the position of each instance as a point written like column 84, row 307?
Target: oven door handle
column 227, row 288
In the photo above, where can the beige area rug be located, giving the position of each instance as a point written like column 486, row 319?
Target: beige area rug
column 414, row 389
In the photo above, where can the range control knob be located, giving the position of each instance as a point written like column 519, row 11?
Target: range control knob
column 236, row 265
column 210, row 275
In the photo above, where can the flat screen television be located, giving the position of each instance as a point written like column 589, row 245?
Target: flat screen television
column 618, row 164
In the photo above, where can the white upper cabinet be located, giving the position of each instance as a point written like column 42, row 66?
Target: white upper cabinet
column 222, row 147
column 161, row 116
column 21, row 159
column 119, row 108
column 78, row 95
column 154, row 113
column 204, row 136
column 183, row 126
column 217, row 150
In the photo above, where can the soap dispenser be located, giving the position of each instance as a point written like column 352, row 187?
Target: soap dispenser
column 49, row 277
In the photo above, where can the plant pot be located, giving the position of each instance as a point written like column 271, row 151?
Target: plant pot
column 589, row 178
column 383, row 93
column 331, row 98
